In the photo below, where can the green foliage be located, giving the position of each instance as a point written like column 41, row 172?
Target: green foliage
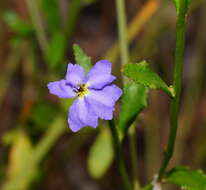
column 148, row 187
column 66, row 103
column 16, row 24
column 20, row 153
column 176, row 2
column 25, row 175
column 101, row 154
column 134, row 99
column 181, row 4
column 186, row 178
column 43, row 114
column 141, row 74
column 56, row 50
column 9, row 137
column 51, row 11
column 81, row 58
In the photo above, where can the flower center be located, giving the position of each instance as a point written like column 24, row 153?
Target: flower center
column 82, row 91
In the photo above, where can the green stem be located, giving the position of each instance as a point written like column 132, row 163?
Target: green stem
column 175, row 105
column 119, row 156
column 123, row 42
column 122, row 29
column 133, row 153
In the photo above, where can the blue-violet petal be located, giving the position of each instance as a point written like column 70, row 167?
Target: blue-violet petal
column 61, row 89
column 100, row 75
column 81, row 114
column 103, row 101
column 75, row 75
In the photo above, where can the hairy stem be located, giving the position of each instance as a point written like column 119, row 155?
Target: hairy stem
column 119, row 156
column 177, row 83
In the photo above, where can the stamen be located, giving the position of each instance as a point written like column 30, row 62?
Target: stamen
column 83, row 90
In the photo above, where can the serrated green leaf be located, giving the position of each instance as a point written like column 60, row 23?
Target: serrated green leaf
column 134, row 99
column 101, row 154
column 186, row 178
column 141, row 74
column 16, row 24
column 81, row 58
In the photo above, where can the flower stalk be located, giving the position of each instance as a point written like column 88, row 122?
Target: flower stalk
column 124, row 52
column 177, row 83
column 133, row 155
column 119, row 156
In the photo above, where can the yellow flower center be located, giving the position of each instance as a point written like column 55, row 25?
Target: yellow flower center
column 82, row 91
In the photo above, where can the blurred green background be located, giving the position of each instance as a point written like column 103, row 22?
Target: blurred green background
column 38, row 151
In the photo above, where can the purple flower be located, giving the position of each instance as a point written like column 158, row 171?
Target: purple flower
column 96, row 96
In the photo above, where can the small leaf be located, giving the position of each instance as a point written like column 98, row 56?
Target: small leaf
column 101, row 154
column 134, row 99
column 81, row 58
column 141, row 73
column 186, row 178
